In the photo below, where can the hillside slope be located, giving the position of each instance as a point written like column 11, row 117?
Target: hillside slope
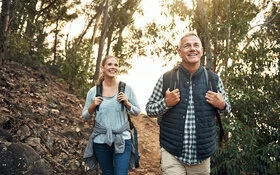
column 36, row 111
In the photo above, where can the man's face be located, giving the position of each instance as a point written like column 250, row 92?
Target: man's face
column 190, row 50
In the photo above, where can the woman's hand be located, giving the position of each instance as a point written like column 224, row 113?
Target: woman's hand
column 96, row 102
column 123, row 99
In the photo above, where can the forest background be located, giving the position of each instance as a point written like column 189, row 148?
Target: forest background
column 240, row 39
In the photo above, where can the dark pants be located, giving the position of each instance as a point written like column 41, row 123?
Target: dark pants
column 110, row 162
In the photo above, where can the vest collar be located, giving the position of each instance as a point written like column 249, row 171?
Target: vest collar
column 187, row 73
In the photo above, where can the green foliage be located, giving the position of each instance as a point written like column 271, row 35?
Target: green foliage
column 74, row 68
column 28, row 41
column 121, row 18
column 31, row 53
column 179, row 8
column 253, row 147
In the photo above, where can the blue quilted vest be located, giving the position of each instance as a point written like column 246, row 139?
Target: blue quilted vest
column 172, row 124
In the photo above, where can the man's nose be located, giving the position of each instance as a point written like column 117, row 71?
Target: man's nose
column 192, row 47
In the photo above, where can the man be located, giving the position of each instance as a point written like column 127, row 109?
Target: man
column 187, row 112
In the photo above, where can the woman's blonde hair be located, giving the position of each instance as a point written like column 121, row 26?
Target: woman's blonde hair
column 103, row 62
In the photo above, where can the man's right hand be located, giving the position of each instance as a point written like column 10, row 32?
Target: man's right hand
column 172, row 97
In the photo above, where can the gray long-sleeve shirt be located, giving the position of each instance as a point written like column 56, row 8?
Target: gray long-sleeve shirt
column 110, row 114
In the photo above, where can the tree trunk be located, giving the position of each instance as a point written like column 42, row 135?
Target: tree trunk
column 202, row 30
column 96, row 26
column 215, row 53
column 4, row 36
column 227, row 42
column 31, row 8
column 101, row 43
column 97, row 22
column 55, row 43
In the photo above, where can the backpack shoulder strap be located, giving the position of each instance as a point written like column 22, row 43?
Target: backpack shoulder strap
column 170, row 80
column 211, row 80
column 212, row 83
column 206, row 77
column 132, row 127
column 122, row 89
column 99, row 88
column 121, row 86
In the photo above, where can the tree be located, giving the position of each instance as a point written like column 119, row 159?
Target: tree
column 117, row 16
column 60, row 17
column 102, row 40
column 253, row 145
column 201, row 25
column 30, row 29
column 4, row 33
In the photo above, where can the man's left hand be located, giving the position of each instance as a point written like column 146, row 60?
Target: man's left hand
column 215, row 99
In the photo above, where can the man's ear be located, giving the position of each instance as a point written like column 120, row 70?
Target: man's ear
column 179, row 52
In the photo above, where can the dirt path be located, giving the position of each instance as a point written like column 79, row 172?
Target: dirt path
column 148, row 136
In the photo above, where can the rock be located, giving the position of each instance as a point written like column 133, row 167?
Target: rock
column 3, row 120
column 33, row 141
column 19, row 158
column 5, row 136
column 23, row 132
column 3, row 109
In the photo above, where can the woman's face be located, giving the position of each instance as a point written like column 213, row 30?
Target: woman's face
column 111, row 67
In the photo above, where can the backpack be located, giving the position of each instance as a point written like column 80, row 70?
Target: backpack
column 133, row 129
column 171, row 81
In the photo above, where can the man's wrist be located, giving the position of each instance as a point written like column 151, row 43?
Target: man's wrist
column 222, row 105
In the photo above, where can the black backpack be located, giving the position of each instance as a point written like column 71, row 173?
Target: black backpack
column 171, row 80
column 133, row 129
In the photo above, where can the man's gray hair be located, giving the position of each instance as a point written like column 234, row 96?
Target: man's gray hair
column 187, row 35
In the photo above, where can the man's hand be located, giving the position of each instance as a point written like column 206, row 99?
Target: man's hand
column 172, row 97
column 215, row 99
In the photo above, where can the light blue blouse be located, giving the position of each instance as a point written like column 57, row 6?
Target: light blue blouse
column 110, row 114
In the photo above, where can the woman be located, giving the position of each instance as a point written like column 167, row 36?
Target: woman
column 111, row 137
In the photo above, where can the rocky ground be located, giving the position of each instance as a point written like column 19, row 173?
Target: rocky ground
column 42, row 131
column 148, row 135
